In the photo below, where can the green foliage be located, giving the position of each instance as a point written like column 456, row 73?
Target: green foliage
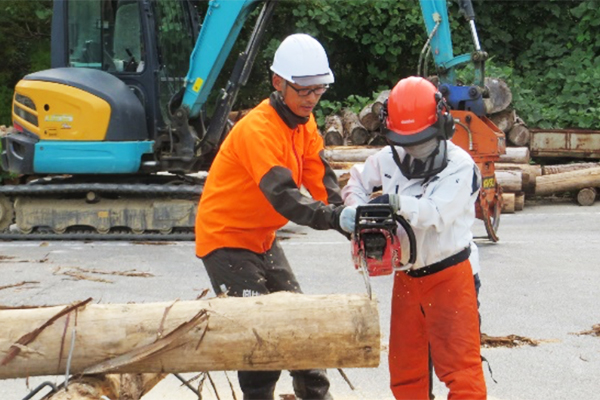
column 24, row 45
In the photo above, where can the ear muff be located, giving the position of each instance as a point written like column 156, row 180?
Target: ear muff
column 445, row 119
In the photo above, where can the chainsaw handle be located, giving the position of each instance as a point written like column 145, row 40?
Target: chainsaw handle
column 412, row 240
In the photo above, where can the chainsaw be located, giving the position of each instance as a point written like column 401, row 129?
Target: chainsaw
column 376, row 249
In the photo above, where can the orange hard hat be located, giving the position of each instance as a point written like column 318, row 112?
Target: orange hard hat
column 416, row 113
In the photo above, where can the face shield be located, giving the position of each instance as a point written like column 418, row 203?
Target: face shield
column 424, row 160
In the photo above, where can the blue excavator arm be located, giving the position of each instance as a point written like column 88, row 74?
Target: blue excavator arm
column 439, row 43
column 220, row 29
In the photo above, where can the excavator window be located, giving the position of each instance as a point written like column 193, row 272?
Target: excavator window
column 106, row 34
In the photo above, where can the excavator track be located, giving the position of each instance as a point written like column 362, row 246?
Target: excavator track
column 134, row 211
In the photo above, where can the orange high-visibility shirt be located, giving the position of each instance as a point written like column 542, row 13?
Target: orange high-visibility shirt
column 233, row 211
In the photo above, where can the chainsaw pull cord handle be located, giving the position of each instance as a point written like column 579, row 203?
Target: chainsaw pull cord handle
column 412, row 241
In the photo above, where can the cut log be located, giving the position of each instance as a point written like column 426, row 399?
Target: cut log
column 378, row 103
column 510, row 181
column 586, row 196
column 353, row 129
column 378, row 140
column 504, row 120
column 368, row 118
column 112, row 386
column 529, row 174
column 517, row 155
column 350, row 153
column 519, row 201
column 280, row 331
column 557, row 169
column 343, row 165
column 500, row 95
column 519, row 134
column 567, row 181
column 334, row 131
column 508, row 203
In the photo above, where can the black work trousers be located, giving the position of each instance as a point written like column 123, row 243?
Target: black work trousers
column 243, row 273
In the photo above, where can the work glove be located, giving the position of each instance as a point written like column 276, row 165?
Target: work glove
column 391, row 199
column 348, row 219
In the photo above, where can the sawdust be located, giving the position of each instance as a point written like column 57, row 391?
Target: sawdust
column 595, row 331
column 507, row 341
column 79, row 273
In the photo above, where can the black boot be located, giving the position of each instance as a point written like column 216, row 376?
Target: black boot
column 311, row 384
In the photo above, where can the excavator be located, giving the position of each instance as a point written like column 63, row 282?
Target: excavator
column 115, row 132
column 469, row 104
column 115, row 129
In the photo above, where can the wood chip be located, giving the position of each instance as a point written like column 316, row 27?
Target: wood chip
column 507, row 341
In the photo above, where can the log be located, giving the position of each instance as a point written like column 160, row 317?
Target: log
column 557, row 169
column 341, row 165
column 504, row 120
column 519, row 134
column 500, row 95
column 334, row 131
column 508, row 203
column 378, row 140
column 378, row 103
column 112, row 386
column 350, row 153
column 368, row 118
column 272, row 332
column 586, row 196
column 510, row 181
column 517, row 155
column 519, row 201
column 567, row 181
column 353, row 129
column 529, row 174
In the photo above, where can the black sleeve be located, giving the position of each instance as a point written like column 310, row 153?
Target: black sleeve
column 279, row 188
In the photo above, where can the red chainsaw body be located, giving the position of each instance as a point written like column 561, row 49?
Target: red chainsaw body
column 378, row 248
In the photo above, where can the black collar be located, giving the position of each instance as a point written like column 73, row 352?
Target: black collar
column 291, row 120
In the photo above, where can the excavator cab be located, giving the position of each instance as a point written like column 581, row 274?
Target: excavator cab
column 114, row 127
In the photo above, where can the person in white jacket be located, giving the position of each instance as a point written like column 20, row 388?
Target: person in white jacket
column 433, row 184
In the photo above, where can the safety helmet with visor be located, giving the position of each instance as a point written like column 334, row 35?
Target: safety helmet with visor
column 417, row 119
column 302, row 60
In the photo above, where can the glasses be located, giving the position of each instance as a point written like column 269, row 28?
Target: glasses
column 306, row 92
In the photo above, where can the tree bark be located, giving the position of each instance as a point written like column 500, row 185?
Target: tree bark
column 508, row 203
column 378, row 140
column 586, row 196
column 519, row 134
column 517, row 155
column 567, row 181
column 557, row 169
column 113, row 386
column 272, row 332
column 334, row 131
column 519, row 201
column 353, row 129
column 510, row 181
column 368, row 118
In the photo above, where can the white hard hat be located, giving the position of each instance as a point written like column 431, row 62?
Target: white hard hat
column 301, row 59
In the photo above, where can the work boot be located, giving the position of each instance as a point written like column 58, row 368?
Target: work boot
column 258, row 385
column 311, row 384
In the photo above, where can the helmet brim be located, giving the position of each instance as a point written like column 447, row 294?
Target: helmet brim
column 323, row 79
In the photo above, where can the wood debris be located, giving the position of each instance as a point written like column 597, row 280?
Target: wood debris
column 595, row 331
column 507, row 341
column 19, row 284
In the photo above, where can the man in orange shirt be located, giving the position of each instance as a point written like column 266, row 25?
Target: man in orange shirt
column 252, row 190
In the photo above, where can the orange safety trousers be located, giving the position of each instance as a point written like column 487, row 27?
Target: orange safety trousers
column 437, row 311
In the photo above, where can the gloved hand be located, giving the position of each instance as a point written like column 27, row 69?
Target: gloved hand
column 348, row 219
column 391, row 199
